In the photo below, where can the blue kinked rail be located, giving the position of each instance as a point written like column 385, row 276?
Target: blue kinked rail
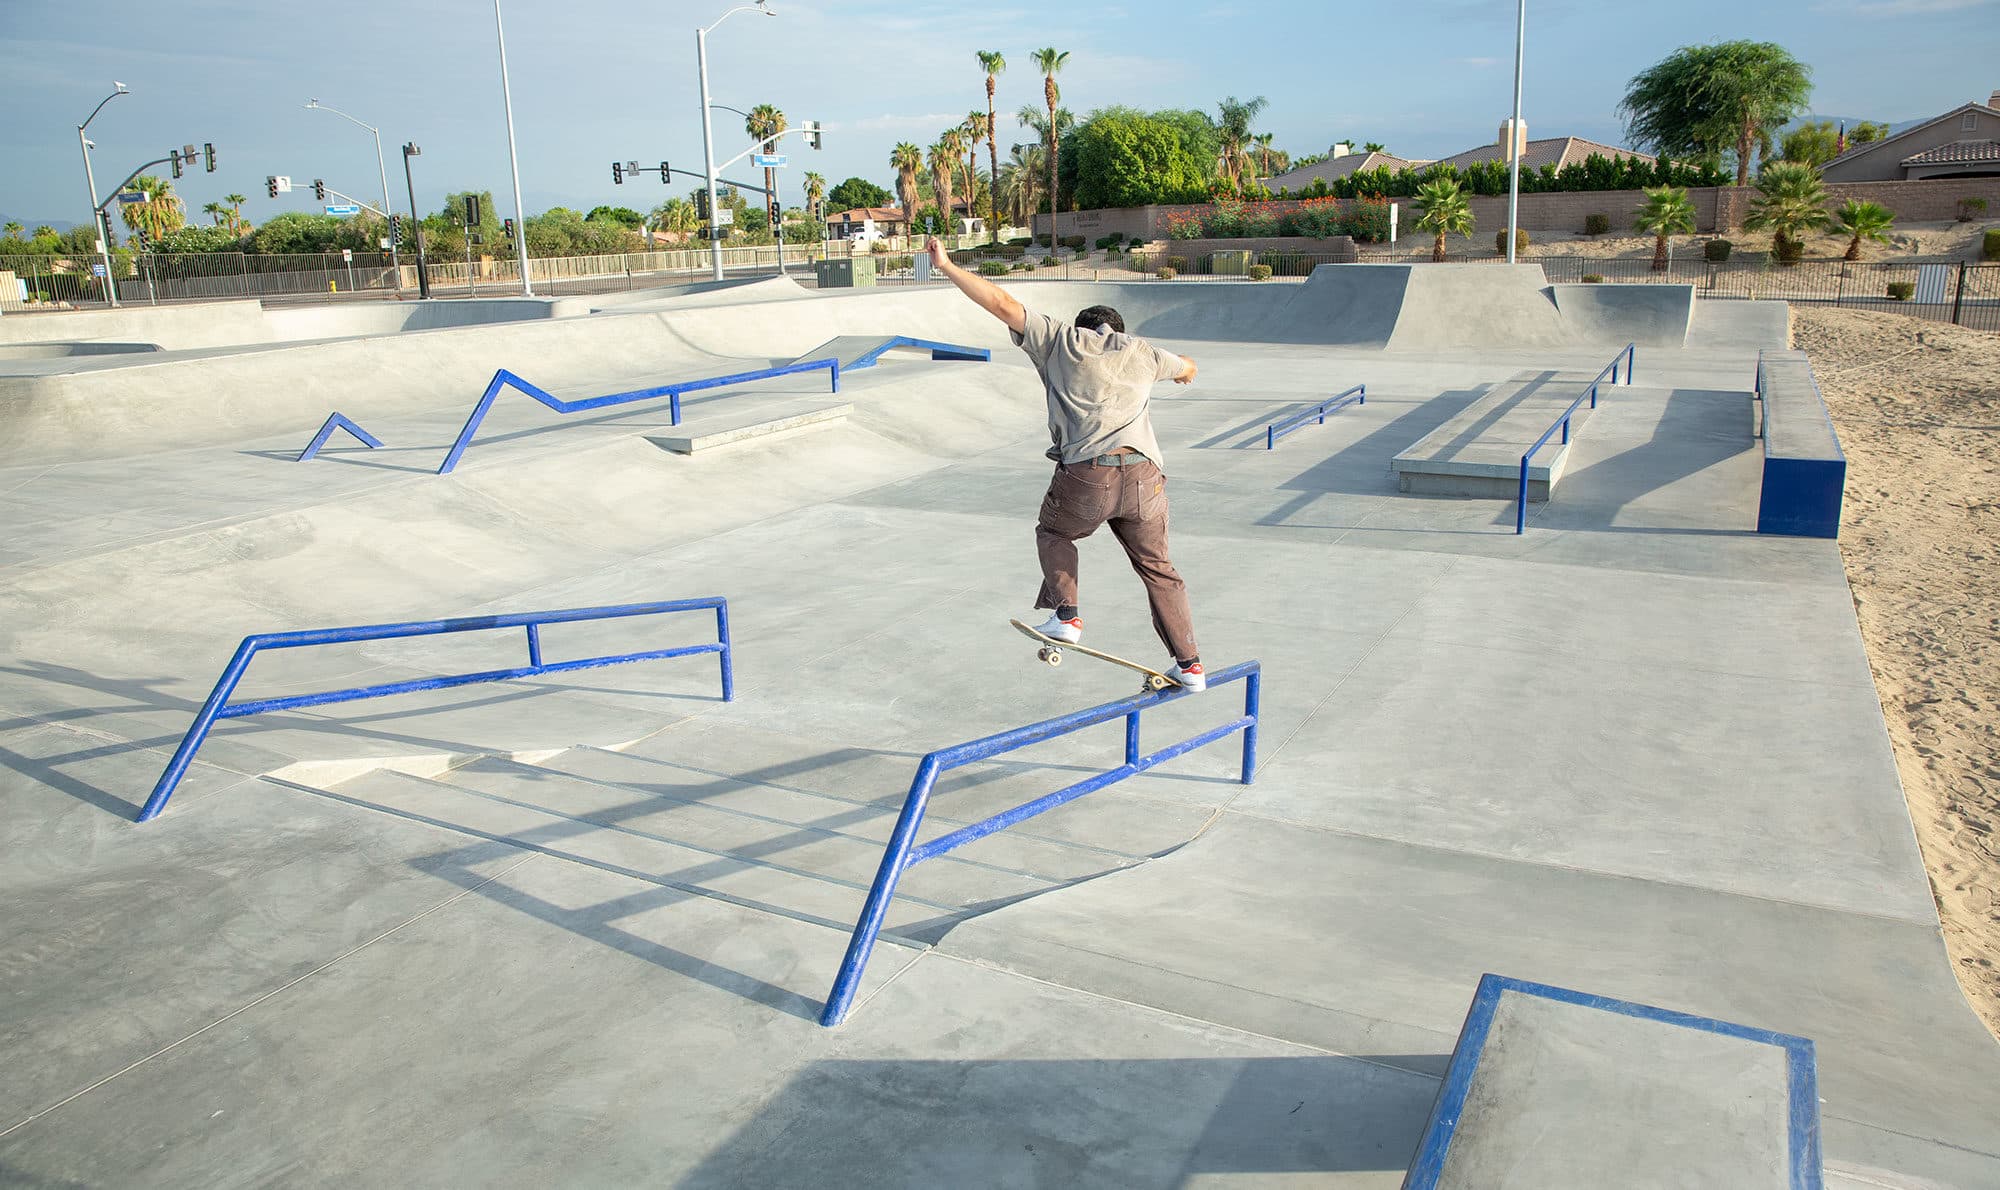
column 1358, row 395
column 904, row 853
column 218, row 705
column 1629, row 354
column 504, row 379
column 337, row 421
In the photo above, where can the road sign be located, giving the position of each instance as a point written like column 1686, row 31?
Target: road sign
column 769, row 160
column 725, row 217
column 132, row 196
column 97, row 268
column 347, row 254
column 284, row 184
column 344, row 208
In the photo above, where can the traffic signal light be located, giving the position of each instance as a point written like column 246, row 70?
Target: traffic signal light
column 812, row 134
column 174, row 156
column 472, row 210
column 777, row 215
column 208, row 152
column 666, row 175
column 508, row 224
column 319, row 190
column 271, row 185
column 701, row 203
column 395, row 229
column 617, row 173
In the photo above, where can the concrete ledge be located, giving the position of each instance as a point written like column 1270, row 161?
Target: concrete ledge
column 748, row 431
column 1478, row 452
column 1562, row 1090
column 1805, row 470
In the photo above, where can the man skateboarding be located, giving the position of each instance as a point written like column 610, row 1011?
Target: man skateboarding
column 1099, row 382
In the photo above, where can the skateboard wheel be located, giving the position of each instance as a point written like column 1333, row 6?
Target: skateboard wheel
column 1052, row 656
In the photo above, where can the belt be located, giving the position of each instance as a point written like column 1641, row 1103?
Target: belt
column 1125, row 460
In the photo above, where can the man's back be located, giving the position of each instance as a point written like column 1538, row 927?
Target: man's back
column 1098, row 384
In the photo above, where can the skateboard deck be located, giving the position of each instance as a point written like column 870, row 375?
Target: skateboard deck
column 1052, row 650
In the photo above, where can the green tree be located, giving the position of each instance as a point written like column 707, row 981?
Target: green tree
column 1863, row 221
column 1374, row 146
column 1790, row 202
column 624, row 216
column 1666, row 212
column 195, row 238
column 236, row 220
column 677, row 215
column 160, row 214
column 815, row 195
column 972, row 132
column 943, row 164
column 1810, row 144
column 12, row 230
column 993, row 63
column 1703, row 100
column 216, row 212
column 1234, row 159
column 1866, row 131
column 1446, row 211
column 1019, row 186
column 1050, row 62
column 765, row 122
column 1127, row 158
column 908, row 161
column 855, row 193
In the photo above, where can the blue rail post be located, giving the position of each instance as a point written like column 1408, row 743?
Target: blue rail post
column 217, row 706
column 903, row 852
column 1356, row 395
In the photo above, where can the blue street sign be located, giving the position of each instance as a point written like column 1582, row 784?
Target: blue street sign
column 97, row 268
column 346, row 208
column 132, row 196
column 769, row 160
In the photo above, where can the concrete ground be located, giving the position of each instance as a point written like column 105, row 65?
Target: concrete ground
column 578, row 930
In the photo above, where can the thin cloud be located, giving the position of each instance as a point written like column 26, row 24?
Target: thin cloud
column 1902, row 8
column 1480, row 61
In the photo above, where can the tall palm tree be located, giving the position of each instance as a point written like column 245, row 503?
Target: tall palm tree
column 12, row 229
column 161, row 214
column 764, row 122
column 815, row 193
column 907, row 160
column 676, row 215
column 1234, row 130
column 974, row 129
column 215, row 211
column 1445, row 212
column 1050, row 62
column 1790, row 202
column 236, row 202
column 1665, row 212
column 1863, row 221
column 944, row 164
column 994, row 63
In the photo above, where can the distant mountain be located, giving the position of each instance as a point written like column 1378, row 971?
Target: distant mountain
column 32, row 224
column 1895, row 126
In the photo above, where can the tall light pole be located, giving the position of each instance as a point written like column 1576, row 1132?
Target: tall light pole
column 416, row 222
column 395, row 261
column 99, row 223
column 708, row 126
column 1516, row 143
column 513, row 159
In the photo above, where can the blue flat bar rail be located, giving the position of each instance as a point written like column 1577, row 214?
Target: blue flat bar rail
column 1627, row 355
column 1358, row 395
column 505, row 379
column 904, row 852
column 218, row 705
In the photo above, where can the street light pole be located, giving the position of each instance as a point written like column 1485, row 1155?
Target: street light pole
column 1516, row 143
column 100, row 223
column 708, row 128
column 395, row 261
column 416, row 222
column 513, row 159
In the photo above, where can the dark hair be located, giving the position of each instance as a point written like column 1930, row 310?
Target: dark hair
column 1097, row 317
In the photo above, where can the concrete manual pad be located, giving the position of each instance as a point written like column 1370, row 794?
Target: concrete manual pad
column 1478, row 452
column 1551, row 1089
column 744, row 431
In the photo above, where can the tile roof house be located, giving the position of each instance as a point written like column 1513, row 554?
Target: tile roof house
column 1340, row 165
column 1558, row 151
column 1962, row 143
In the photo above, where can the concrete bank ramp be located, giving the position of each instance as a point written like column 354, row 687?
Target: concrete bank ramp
column 1472, row 305
column 1649, row 315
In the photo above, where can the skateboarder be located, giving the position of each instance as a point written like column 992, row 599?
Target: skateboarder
column 1099, row 382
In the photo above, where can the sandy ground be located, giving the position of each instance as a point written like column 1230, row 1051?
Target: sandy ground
column 1918, row 408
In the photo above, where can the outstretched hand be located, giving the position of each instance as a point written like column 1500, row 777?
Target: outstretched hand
column 939, row 257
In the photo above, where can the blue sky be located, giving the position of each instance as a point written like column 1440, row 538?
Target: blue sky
column 596, row 81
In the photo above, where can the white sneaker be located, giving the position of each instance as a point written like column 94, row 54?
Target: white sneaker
column 1057, row 628
column 1191, row 678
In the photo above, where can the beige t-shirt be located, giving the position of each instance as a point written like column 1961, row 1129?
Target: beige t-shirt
column 1098, row 384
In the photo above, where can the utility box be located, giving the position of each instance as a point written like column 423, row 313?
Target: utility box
column 1229, row 264
column 854, row 272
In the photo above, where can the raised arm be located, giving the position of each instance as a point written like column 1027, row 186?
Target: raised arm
column 990, row 297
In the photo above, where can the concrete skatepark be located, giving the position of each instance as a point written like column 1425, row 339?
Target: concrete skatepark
column 580, row 928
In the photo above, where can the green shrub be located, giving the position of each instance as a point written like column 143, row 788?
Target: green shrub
column 993, row 268
column 1021, row 241
column 1013, row 251
column 1044, row 241
column 1520, row 241
column 1970, row 209
column 1716, row 250
column 1787, row 250
column 1167, row 274
column 1022, row 267
column 1074, row 243
column 1593, row 279
column 1902, row 291
column 898, row 262
column 1989, row 244
column 1110, row 251
column 1596, row 223
column 1260, row 272
column 1108, row 241
column 1050, row 261
column 1177, row 263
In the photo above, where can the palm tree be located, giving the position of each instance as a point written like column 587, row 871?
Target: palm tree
column 161, row 214
column 1665, row 212
column 215, row 211
column 994, row 63
column 676, row 215
column 235, row 202
column 765, row 122
column 907, row 160
column 1863, row 221
column 944, row 163
column 974, row 129
column 11, row 229
column 1790, row 202
column 1374, row 146
column 1234, row 129
column 1050, row 61
column 815, row 193
column 1445, row 212
column 1019, row 183
column 44, row 229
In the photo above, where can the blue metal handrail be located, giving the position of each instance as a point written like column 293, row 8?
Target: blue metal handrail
column 337, row 421
column 903, row 852
column 218, row 705
column 1629, row 354
column 1358, row 395
column 505, row 379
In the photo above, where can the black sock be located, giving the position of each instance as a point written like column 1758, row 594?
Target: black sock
column 1066, row 612
column 1190, row 663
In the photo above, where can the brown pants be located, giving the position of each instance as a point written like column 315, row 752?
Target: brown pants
column 1133, row 501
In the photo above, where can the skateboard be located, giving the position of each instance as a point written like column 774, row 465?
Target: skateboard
column 1051, row 653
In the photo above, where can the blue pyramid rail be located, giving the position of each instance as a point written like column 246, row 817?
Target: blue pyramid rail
column 337, row 421
column 505, row 379
column 938, row 350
